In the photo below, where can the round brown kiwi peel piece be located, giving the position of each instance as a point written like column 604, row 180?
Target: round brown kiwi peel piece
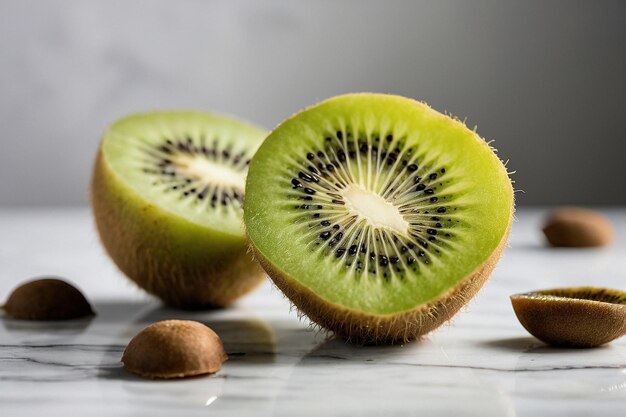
column 174, row 349
column 377, row 216
column 167, row 195
column 580, row 317
column 574, row 227
column 47, row 299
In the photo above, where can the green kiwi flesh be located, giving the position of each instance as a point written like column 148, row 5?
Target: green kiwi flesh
column 573, row 317
column 377, row 216
column 167, row 195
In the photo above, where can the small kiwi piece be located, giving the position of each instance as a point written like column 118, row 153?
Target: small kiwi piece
column 174, row 349
column 167, row 196
column 578, row 227
column 377, row 216
column 573, row 317
column 47, row 299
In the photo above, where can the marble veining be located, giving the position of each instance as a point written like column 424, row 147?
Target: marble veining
column 482, row 364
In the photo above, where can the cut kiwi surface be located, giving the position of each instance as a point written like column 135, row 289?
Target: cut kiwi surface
column 573, row 317
column 167, row 195
column 376, row 215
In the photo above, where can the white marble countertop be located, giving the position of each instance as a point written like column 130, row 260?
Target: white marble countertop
column 482, row 364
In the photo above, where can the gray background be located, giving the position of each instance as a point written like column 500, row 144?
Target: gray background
column 545, row 79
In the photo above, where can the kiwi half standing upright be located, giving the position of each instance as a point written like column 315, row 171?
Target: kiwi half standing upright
column 167, row 195
column 377, row 216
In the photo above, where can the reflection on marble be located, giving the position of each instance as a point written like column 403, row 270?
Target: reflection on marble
column 482, row 364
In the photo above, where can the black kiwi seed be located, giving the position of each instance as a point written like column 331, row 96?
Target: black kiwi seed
column 339, row 252
column 420, row 187
column 306, row 177
column 325, row 223
column 353, row 250
column 434, row 199
column 433, row 176
column 441, row 210
column 412, row 167
column 309, row 190
column 310, row 156
column 429, row 191
column 325, row 235
column 296, row 183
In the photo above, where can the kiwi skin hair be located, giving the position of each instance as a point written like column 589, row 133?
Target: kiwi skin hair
column 186, row 265
column 354, row 324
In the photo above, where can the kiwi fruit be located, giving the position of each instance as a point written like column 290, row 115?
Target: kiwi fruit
column 573, row 317
column 174, row 349
column 167, row 196
column 47, row 299
column 577, row 228
column 377, row 216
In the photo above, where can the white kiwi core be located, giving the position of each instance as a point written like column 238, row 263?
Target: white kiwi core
column 374, row 209
column 209, row 172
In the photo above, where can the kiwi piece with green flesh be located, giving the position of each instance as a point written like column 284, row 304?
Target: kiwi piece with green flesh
column 573, row 317
column 377, row 216
column 167, row 195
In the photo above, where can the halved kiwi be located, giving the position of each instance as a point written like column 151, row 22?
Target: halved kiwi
column 575, row 317
column 377, row 216
column 167, row 195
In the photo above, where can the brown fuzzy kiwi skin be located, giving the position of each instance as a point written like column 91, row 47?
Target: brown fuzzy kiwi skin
column 369, row 329
column 47, row 299
column 577, row 228
column 183, row 264
column 174, row 349
column 570, row 322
